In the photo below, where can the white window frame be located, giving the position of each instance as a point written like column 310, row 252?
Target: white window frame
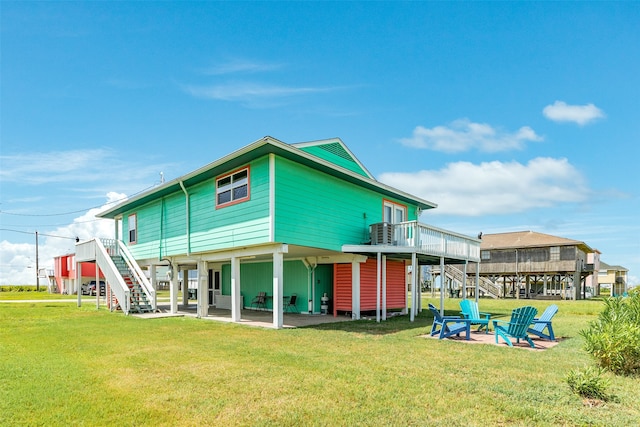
column 398, row 212
column 133, row 231
column 554, row 253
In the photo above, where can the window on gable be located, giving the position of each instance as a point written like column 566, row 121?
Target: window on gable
column 232, row 188
column 133, row 228
column 554, row 253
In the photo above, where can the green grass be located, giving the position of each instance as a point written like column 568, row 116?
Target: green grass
column 30, row 293
column 63, row 365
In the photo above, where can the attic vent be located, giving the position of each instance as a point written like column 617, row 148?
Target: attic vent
column 337, row 149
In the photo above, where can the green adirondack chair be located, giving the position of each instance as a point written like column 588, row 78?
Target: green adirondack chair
column 544, row 321
column 470, row 311
column 446, row 326
column 517, row 327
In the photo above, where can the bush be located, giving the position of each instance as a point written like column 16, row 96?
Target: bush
column 589, row 383
column 614, row 338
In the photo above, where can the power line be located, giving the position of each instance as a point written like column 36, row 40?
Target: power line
column 57, row 225
column 78, row 211
column 40, row 234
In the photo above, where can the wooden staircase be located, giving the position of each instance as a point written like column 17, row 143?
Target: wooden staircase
column 485, row 286
column 139, row 303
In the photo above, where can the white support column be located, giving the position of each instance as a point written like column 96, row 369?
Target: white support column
column 173, row 292
column 152, row 277
column 277, row 289
column 544, row 285
column 236, row 299
column 384, row 287
column 203, row 291
column 97, row 287
column 419, row 285
column 414, row 294
column 442, row 290
column 79, row 281
column 378, row 284
column 185, row 287
column 355, row 290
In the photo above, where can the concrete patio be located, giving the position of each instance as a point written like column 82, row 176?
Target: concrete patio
column 258, row 318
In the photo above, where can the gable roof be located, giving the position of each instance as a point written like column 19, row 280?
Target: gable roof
column 333, row 150
column 605, row 266
column 268, row 145
column 527, row 239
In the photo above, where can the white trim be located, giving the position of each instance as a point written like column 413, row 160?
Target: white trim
column 236, row 296
column 384, row 287
column 272, row 197
column 378, row 284
column 278, row 306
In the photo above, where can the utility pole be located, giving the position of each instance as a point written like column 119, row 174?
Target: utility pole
column 37, row 266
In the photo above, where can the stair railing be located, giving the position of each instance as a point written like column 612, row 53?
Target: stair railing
column 138, row 274
column 113, row 276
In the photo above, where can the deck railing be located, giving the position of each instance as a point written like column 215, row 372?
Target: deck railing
column 428, row 239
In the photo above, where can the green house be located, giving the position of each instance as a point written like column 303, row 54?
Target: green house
column 271, row 221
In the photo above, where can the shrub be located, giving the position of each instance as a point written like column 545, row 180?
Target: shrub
column 614, row 338
column 589, row 383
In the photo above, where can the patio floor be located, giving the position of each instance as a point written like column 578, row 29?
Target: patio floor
column 259, row 318
column 490, row 338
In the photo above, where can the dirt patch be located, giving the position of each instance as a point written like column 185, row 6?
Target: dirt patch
column 482, row 338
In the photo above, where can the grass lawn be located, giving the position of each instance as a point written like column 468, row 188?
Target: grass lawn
column 64, row 365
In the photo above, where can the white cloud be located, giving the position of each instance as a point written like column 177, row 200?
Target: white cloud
column 247, row 91
column 241, row 66
column 468, row 189
column 80, row 166
column 559, row 111
column 18, row 260
column 463, row 135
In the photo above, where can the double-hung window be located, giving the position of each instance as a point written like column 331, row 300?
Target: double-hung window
column 133, row 228
column 232, row 188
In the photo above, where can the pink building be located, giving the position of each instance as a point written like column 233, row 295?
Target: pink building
column 65, row 273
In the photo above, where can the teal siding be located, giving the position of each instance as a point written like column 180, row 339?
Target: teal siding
column 258, row 277
column 335, row 154
column 162, row 224
column 324, row 283
column 242, row 224
column 318, row 210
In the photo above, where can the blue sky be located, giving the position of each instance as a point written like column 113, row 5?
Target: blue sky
column 509, row 116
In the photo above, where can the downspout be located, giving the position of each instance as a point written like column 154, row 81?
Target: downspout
column 188, row 221
column 161, row 229
column 311, row 288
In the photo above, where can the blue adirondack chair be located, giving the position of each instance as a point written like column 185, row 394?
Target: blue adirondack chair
column 544, row 321
column 446, row 326
column 517, row 327
column 470, row 311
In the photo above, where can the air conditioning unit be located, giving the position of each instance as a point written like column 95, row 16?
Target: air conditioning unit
column 381, row 233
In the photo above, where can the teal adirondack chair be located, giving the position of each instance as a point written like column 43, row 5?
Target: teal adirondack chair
column 544, row 321
column 517, row 327
column 446, row 326
column 470, row 311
